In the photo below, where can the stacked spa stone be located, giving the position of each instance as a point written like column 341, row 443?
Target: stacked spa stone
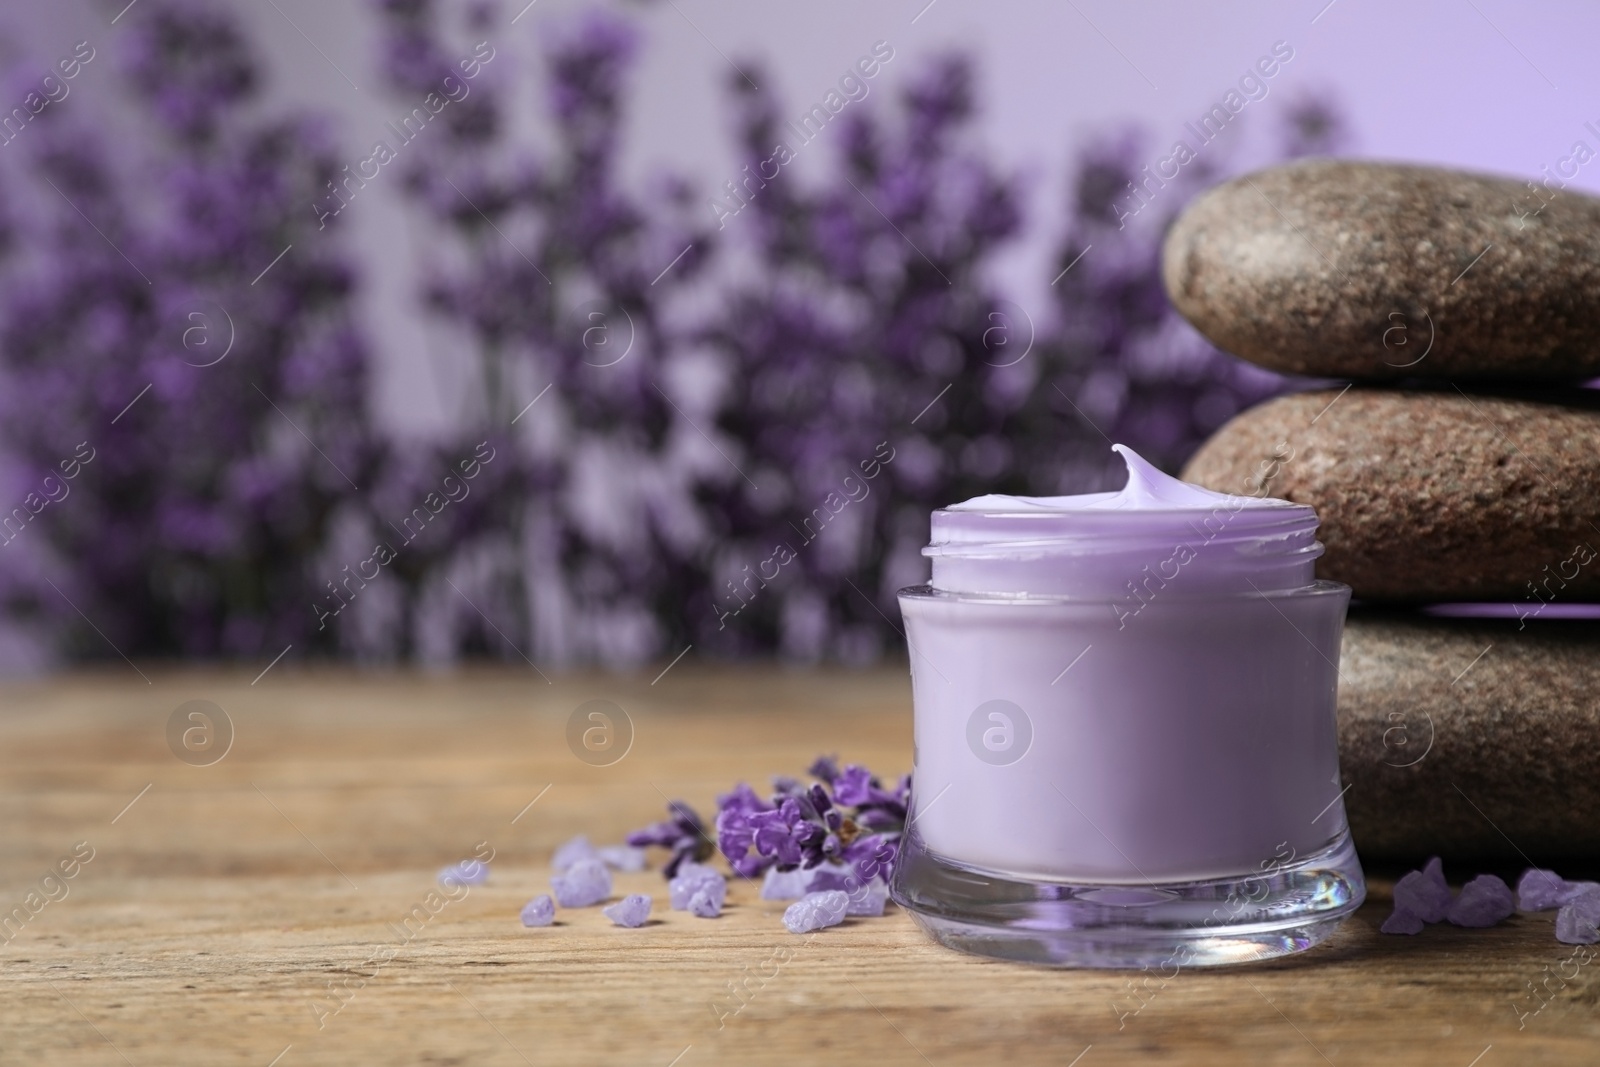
column 1454, row 459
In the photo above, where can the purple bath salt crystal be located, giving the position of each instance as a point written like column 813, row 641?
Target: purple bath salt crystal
column 467, row 872
column 1575, row 890
column 1584, row 903
column 785, row 885
column 631, row 910
column 1538, row 889
column 708, row 898
column 584, row 883
column 865, row 898
column 1424, row 893
column 1402, row 922
column 869, row 900
column 1576, row 926
column 823, row 879
column 816, row 910
column 621, row 857
column 540, row 911
column 1484, row 901
column 692, row 877
column 577, row 849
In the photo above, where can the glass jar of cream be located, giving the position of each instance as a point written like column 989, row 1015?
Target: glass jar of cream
column 1125, row 747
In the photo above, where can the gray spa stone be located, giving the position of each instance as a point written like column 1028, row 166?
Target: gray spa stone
column 1471, row 740
column 1355, row 269
column 1430, row 495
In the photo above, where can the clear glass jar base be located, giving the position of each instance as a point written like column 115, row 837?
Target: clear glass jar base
column 1259, row 916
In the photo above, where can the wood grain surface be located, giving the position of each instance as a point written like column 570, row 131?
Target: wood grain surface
column 222, row 902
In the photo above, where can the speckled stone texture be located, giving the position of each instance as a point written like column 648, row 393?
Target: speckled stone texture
column 1351, row 269
column 1436, row 759
column 1430, row 495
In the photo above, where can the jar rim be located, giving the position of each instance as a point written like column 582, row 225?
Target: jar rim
column 1317, row 587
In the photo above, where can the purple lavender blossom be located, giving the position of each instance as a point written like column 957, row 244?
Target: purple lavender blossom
column 818, row 390
column 193, row 65
column 824, row 769
column 854, row 786
column 736, row 830
column 804, row 827
column 784, row 834
column 876, row 808
column 864, row 297
column 798, row 828
column 906, row 227
column 793, row 831
column 614, row 557
column 684, row 835
column 196, row 528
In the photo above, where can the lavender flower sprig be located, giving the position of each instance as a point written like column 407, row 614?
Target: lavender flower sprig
column 153, row 312
column 846, row 816
column 684, row 835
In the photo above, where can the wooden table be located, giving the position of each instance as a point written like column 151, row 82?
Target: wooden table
column 222, row 901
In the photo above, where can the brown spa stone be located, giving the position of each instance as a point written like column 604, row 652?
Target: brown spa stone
column 1429, row 495
column 1367, row 270
column 1471, row 739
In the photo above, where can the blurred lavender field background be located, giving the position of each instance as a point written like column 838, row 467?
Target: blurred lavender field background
column 668, row 405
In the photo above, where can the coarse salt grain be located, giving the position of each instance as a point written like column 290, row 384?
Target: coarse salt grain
column 1424, row 893
column 586, row 882
column 1484, row 901
column 1539, row 889
column 570, row 852
column 816, row 910
column 540, row 911
column 866, row 898
column 631, row 911
column 690, row 877
column 1573, row 927
column 707, row 900
column 785, row 885
column 1402, row 922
